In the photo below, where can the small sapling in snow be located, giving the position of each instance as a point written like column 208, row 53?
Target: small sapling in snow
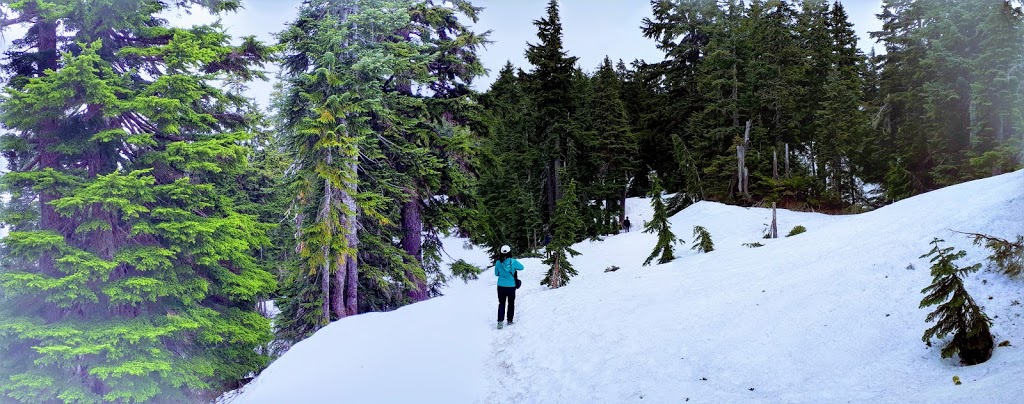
column 957, row 313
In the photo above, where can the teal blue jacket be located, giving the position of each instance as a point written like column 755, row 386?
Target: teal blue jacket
column 503, row 270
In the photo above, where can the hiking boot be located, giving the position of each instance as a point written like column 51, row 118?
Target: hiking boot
column 500, row 325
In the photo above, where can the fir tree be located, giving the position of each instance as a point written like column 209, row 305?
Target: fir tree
column 615, row 152
column 957, row 312
column 444, row 169
column 511, row 168
column 379, row 164
column 324, row 117
column 133, row 277
column 702, row 240
column 551, row 86
column 567, row 226
column 659, row 224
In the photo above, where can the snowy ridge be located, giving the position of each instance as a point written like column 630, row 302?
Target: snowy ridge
column 830, row 315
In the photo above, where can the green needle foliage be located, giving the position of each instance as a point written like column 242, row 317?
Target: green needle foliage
column 702, row 240
column 798, row 229
column 957, row 313
column 129, row 274
column 1007, row 256
column 567, row 227
column 375, row 114
column 659, row 224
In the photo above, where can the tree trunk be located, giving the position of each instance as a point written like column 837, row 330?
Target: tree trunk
column 48, row 218
column 775, row 223
column 351, row 270
column 412, row 243
column 329, row 302
column 775, row 165
column 556, row 274
column 787, row 160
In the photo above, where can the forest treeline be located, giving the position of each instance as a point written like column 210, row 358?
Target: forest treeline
column 152, row 206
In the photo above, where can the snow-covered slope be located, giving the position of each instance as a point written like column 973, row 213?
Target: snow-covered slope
column 830, row 315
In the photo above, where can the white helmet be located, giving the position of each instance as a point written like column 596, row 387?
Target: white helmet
column 505, row 249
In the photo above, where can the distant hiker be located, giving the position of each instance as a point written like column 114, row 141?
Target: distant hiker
column 505, row 268
column 626, row 225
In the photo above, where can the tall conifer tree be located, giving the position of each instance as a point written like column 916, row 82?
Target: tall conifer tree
column 132, row 279
column 615, row 152
column 551, row 82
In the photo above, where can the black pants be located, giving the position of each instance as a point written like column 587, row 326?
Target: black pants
column 510, row 294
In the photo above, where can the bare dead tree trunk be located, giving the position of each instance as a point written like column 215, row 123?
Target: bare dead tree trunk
column 739, row 168
column 787, row 160
column 775, row 223
column 744, row 174
column 775, row 165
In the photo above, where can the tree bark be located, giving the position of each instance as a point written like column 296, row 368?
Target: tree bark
column 325, row 276
column 48, row 218
column 348, row 275
column 412, row 243
column 775, row 223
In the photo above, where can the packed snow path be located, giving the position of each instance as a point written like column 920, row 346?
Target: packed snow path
column 830, row 315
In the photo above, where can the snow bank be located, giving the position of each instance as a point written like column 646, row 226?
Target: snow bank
column 830, row 315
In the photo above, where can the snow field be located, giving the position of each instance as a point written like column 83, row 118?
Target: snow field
column 830, row 315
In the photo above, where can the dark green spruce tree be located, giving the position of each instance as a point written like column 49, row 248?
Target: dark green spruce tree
column 568, row 226
column 511, row 168
column 659, row 224
column 439, row 159
column 615, row 149
column 132, row 276
column 550, row 88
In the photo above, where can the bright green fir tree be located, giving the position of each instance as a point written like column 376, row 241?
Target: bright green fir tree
column 128, row 274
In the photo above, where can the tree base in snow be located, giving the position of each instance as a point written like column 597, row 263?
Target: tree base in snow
column 975, row 349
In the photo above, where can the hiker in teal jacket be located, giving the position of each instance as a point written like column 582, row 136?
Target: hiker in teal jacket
column 504, row 268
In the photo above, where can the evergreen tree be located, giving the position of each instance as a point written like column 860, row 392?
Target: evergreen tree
column 615, row 152
column 948, row 82
column 551, row 86
column 659, row 224
column 567, row 227
column 511, row 168
column 957, row 312
column 702, row 240
column 132, row 277
column 328, row 97
column 374, row 112
column 442, row 163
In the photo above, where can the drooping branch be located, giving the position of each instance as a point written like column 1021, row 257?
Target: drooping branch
column 23, row 18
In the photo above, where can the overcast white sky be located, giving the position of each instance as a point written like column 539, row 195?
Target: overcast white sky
column 591, row 28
